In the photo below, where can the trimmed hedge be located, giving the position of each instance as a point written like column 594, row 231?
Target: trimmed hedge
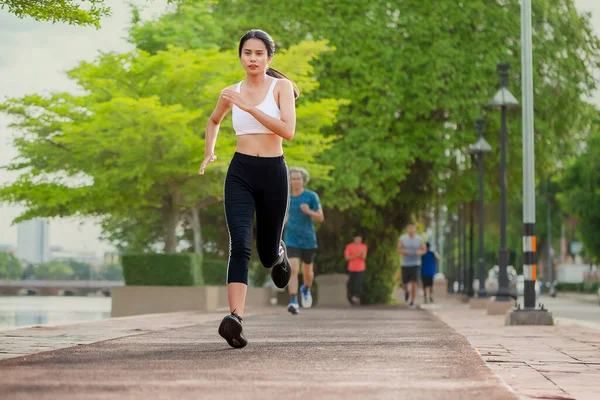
column 582, row 287
column 173, row 269
column 214, row 270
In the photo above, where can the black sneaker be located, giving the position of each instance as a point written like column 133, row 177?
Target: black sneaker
column 406, row 297
column 231, row 329
column 282, row 271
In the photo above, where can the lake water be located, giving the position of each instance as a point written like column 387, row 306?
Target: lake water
column 37, row 310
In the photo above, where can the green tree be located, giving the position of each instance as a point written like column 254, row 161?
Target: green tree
column 29, row 272
column 418, row 74
column 74, row 12
column 134, row 141
column 10, row 267
column 191, row 26
column 81, row 270
column 580, row 197
column 111, row 272
column 53, row 270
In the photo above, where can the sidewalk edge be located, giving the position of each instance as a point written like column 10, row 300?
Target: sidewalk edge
column 498, row 377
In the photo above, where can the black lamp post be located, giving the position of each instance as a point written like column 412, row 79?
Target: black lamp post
column 478, row 149
column 448, row 256
column 470, row 273
column 459, row 232
column 465, row 273
column 503, row 100
column 455, row 264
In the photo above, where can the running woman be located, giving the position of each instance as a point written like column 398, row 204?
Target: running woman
column 300, row 237
column 263, row 113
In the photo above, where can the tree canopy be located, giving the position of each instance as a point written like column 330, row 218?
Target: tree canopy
column 580, row 184
column 414, row 76
column 74, row 12
column 134, row 141
column 10, row 266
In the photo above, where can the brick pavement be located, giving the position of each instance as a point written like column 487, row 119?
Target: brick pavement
column 538, row 362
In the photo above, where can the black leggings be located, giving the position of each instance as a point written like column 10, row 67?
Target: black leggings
column 254, row 184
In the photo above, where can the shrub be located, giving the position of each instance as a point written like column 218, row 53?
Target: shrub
column 53, row 270
column 214, row 270
column 172, row 269
column 10, row 266
column 380, row 278
column 582, row 287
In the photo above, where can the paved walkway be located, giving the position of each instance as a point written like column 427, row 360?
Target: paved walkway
column 538, row 362
column 16, row 342
column 366, row 353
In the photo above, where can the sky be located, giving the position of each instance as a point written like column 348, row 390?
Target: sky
column 33, row 59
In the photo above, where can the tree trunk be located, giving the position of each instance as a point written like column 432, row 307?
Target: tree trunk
column 195, row 222
column 171, row 218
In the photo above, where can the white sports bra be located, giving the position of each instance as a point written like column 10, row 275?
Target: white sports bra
column 244, row 123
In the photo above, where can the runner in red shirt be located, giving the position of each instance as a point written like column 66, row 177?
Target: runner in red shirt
column 356, row 254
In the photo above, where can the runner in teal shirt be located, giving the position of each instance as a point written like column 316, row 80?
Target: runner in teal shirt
column 300, row 237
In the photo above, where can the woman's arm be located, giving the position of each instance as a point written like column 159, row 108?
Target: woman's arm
column 284, row 127
column 212, row 130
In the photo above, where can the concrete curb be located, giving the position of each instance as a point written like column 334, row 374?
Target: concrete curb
column 560, row 321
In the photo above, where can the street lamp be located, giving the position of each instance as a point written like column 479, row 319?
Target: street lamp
column 460, row 231
column 503, row 100
column 455, row 265
column 479, row 148
column 465, row 273
column 446, row 256
column 470, row 275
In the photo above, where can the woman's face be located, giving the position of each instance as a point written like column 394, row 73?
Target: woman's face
column 255, row 58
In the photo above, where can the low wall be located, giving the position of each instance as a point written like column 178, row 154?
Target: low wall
column 333, row 290
column 136, row 300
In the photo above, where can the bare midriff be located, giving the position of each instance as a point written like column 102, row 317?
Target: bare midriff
column 260, row 145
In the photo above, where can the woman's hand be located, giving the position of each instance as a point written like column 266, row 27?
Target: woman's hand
column 207, row 160
column 235, row 98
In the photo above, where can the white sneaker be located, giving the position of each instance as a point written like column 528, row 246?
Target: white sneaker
column 306, row 297
column 294, row 308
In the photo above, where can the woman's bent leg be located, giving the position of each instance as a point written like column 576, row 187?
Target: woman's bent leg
column 271, row 207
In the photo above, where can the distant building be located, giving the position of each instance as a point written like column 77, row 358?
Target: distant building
column 60, row 254
column 33, row 241
column 111, row 258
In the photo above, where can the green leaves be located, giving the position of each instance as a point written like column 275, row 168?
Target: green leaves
column 53, row 270
column 73, row 12
column 419, row 73
column 88, row 13
column 129, row 150
column 10, row 267
column 580, row 184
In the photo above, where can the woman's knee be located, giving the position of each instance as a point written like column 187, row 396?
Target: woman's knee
column 237, row 270
column 268, row 260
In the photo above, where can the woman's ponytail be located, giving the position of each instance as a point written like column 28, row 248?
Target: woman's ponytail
column 278, row 75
